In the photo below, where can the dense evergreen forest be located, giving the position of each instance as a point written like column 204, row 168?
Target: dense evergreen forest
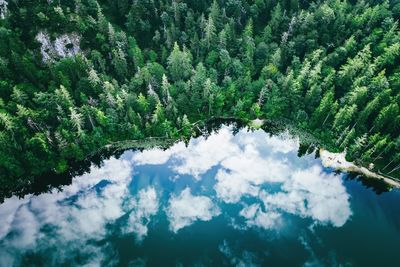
column 77, row 75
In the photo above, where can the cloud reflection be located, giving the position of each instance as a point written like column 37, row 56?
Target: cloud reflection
column 185, row 209
column 248, row 166
column 243, row 174
column 312, row 193
column 66, row 221
column 145, row 205
column 255, row 216
column 242, row 259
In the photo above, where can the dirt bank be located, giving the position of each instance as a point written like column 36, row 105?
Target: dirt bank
column 338, row 161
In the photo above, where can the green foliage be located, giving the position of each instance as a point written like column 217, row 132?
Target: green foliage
column 179, row 63
column 155, row 67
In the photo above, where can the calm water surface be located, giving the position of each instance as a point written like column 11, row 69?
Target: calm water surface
column 225, row 200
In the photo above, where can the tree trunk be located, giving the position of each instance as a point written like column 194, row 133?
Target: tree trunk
column 326, row 118
column 395, row 169
column 387, row 165
column 91, row 121
column 380, row 154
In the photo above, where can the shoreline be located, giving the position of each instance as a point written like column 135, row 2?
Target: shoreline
column 338, row 161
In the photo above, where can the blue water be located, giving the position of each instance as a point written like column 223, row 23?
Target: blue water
column 225, row 200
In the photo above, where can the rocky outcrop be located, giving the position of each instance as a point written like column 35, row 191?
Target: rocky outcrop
column 65, row 45
column 3, row 9
column 338, row 161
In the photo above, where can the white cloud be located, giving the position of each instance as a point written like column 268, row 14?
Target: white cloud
column 80, row 210
column 250, row 161
column 202, row 154
column 243, row 259
column 157, row 156
column 312, row 193
column 283, row 143
column 25, row 228
column 249, row 165
column 243, row 173
column 8, row 210
column 307, row 193
column 197, row 158
column 280, row 143
column 185, row 209
column 223, row 148
column 76, row 215
column 256, row 217
column 145, row 205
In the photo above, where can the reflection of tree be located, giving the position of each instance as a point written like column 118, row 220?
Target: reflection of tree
column 376, row 185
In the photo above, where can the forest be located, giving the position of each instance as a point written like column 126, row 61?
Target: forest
column 78, row 75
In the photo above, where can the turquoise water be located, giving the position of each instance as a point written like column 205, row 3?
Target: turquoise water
column 225, row 200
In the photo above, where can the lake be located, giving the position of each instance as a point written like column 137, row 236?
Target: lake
column 243, row 199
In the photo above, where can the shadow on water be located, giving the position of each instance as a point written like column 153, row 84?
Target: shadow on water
column 377, row 185
column 51, row 180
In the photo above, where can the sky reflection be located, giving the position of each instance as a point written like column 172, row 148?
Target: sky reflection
column 257, row 174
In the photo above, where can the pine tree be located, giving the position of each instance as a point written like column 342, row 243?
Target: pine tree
column 209, row 32
column 179, row 64
column 344, row 117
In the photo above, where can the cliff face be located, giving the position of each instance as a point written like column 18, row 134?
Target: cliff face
column 3, row 8
column 65, row 45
